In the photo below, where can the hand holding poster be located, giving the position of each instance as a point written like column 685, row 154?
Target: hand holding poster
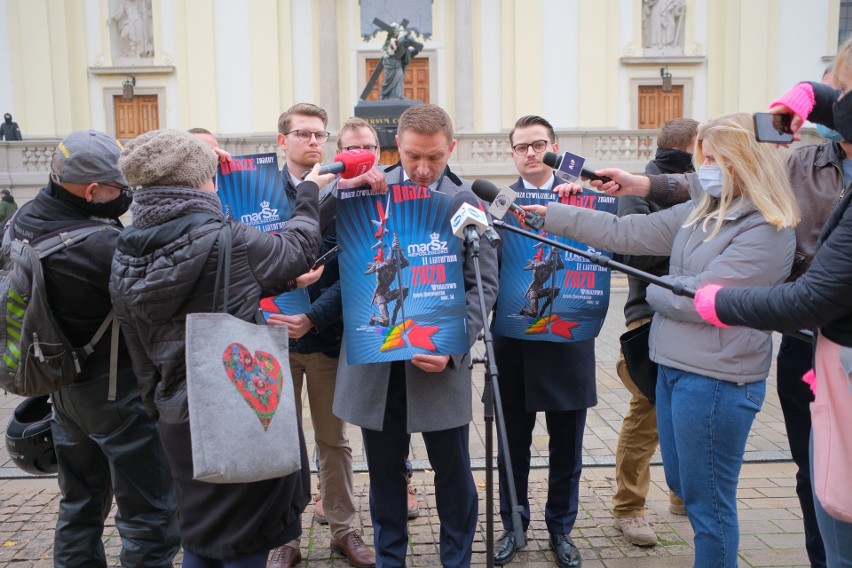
column 401, row 275
column 251, row 189
column 547, row 294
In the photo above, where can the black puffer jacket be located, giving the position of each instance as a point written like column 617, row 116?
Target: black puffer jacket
column 162, row 273
column 822, row 296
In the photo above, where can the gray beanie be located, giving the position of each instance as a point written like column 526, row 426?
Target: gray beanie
column 171, row 158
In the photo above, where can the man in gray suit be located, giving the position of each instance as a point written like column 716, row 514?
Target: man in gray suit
column 430, row 393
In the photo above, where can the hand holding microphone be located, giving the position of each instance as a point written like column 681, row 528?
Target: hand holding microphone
column 349, row 164
column 503, row 200
column 316, row 176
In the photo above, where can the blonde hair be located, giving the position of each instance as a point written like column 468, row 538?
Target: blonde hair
column 354, row 124
column 750, row 169
column 842, row 59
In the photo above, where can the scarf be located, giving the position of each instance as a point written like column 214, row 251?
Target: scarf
column 155, row 205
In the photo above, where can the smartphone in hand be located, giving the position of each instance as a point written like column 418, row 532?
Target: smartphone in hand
column 774, row 128
column 332, row 252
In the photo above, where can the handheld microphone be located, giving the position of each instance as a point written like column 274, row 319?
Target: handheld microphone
column 469, row 221
column 503, row 200
column 572, row 163
column 349, row 164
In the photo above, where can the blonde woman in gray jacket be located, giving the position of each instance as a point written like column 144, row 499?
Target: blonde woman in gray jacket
column 737, row 231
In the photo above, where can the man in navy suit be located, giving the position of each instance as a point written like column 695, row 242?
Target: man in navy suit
column 539, row 376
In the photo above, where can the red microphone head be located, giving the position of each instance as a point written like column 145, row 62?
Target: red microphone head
column 356, row 162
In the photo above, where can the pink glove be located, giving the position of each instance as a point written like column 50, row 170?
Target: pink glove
column 799, row 99
column 810, row 379
column 705, row 304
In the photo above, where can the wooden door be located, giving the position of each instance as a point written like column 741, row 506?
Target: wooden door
column 416, row 84
column 656, row 107
column 135, row 116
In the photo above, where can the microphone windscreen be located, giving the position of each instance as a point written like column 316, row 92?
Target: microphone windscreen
column 355, row 162
column 485, row 190
column 551, row 160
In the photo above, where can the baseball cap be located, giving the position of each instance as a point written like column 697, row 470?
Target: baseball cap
column 87, row 156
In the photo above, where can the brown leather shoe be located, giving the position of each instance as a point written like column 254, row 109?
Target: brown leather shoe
column 284, row 557
column 413, row 506
column 353, row 548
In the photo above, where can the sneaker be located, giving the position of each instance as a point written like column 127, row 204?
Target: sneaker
column 637, row 531
column 319, row 511
column 413, row 506
column 677, row 509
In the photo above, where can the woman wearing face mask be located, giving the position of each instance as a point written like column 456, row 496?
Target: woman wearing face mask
column 820, row 298
column 711, row 382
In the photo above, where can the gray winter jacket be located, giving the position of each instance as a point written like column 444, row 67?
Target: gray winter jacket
column 747, row 252
column 162, row 273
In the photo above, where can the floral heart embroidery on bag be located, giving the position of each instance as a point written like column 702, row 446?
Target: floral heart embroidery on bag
column 257, row 377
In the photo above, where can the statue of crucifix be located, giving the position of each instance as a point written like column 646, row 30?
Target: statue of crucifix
column 399, row 49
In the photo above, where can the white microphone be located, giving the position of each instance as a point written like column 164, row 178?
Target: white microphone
column 469, row 221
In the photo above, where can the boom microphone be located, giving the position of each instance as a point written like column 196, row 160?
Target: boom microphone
column 504, row 199
column 350, row 164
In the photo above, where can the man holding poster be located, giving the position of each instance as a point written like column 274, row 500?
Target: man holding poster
column 428, row 393
column 531, row 327
column 315, row 337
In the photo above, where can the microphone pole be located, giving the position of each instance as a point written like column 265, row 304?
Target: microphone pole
column 675, row 287
column 490, row 398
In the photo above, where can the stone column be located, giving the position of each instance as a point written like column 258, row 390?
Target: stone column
column 329, row 79
column 464, row 66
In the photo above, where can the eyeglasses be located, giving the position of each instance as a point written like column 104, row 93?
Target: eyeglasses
column 538, row 147
column 305, row 135
column 121, row 188
column 368, row 147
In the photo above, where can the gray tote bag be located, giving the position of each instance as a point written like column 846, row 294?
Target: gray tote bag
column 242, row 412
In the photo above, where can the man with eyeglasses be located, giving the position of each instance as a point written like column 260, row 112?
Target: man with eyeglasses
column 104, row 447
column 315, row 339
column 563, row 388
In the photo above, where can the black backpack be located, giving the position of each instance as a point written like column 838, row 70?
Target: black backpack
column 35, row 356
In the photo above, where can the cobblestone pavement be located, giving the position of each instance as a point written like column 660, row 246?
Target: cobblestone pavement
column 770, row 521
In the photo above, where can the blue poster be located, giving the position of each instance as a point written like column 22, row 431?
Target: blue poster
column 251, row 190
column 401, row 275
column 548, row 294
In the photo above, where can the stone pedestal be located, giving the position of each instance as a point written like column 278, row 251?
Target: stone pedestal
column 384, row 115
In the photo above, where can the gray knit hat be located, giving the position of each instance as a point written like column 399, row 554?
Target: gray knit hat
column 172, row 158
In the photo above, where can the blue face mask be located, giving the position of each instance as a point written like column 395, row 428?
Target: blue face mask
column 711, row 180
column 828, row 133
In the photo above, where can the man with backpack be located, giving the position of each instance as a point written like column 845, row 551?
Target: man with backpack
column 106, row 444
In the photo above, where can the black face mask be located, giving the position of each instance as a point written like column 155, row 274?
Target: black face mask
column 112, row 209
column 843, row 116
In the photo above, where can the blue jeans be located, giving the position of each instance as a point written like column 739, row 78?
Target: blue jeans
column 703, row 425
column 836, row 534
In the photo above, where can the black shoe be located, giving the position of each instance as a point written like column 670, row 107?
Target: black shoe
column 505, row 548
column 567, row 555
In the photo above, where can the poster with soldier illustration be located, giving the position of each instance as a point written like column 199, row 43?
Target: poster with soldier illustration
column 401, row 275
column 251, row 190
column 548, row 294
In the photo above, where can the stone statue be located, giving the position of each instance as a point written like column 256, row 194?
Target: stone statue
column 662, row 26
column 399, row 49
column 131, row 20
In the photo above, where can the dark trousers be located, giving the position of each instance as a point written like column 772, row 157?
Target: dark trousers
column 455, row 492
column 111, row 448
column 795, row 358
column 565, row 445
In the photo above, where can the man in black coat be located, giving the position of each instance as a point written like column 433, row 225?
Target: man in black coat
column 536, row 376
column 105, row 445
column 9, row 130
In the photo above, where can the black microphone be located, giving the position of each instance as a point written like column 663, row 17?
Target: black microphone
column 555, row 160
column 504, row 199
